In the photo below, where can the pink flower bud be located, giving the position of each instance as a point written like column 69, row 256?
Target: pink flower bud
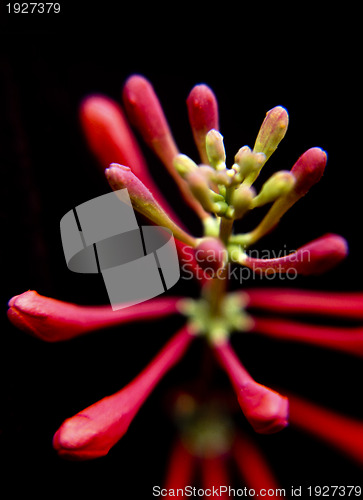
column 315, row 257
column 110, row 138
column 308, row 170
column 266, row 410
column 146, row 114
column 339, row 431
column 120, row 177
column 92, row 432
column 343, row 304
column 272, row 131
column 203, row 116
column 53, row 320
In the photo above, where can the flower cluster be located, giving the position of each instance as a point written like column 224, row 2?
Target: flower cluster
column 219, row 195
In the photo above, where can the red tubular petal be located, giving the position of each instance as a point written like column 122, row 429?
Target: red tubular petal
column 308, row 170
column 180, row 469
column 252, row 464
column 120, row 177
column 265, row 409
column 110, row 138
column 349, row 305
column 315, row 257
column 53, row 320
column 349, row 340
column 203, row 116
column 342, row 432
column 108, row 134
column 215, row 475
column 92, row 432
column 146, row 114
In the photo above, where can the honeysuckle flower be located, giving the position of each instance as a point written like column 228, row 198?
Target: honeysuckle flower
column 54, row 320
column 219, row 195
column 111, row 139
column 266, row 410
column 93, row 431
column 316, row 257
column 203, row 116
column 146, row 114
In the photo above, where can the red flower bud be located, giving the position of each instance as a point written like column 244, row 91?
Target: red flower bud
column 145, row 112
column 266, row 410
column 315, row 257
column 203, row 116
column 308, row 170
column 53, row 320
column 92, row 432
column 111, row 139
column 108, row 134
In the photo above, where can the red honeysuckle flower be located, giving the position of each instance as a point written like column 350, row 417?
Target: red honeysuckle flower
column 110, row 138
column 93, row 431
column 144, row 110
column 316, row 257
column 266, row 410
column 307, row 171
column 54, row 320
column 203, row 116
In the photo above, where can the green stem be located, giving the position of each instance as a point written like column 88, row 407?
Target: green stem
column 218, row 287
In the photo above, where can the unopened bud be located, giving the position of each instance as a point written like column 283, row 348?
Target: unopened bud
column 210, row 201
column 120, row 177
column 272, row 131
column 241, row 200
column 215, row 149
column 249, row 164
column 279, row 184
column 203, row 116
column 184, row 165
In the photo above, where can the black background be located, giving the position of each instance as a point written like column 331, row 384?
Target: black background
column 253, row 61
